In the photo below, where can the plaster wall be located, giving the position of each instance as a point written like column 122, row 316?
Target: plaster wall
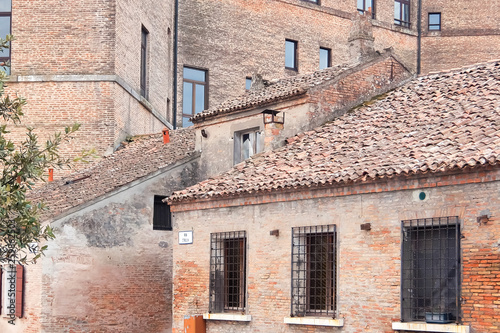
column 107, row 270
column 368, row 262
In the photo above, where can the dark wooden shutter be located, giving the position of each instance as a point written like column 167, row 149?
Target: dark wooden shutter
column 19, row 290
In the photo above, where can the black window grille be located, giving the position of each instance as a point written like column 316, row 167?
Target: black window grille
column 5, row 29
column 402, row 13
column 162, row 217
column 314, row 271
column 144, row 62
column 227, row 271
column 430, row 272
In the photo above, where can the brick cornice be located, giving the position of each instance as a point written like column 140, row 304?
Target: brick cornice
column 400, row 183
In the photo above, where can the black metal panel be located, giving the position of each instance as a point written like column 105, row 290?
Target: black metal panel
column 162, row 217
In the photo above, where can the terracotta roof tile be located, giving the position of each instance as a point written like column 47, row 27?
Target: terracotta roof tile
column 145, row 155
column 434, row 123
column 276, row 90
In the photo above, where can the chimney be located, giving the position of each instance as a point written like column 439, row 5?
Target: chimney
column 274, row 122
column 257, row 82
column 166, row 136
column 51, row 174
column 361, row 37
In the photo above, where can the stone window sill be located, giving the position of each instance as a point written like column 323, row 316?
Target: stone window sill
column 227, row 316
column 424, row 327
column 316, row 321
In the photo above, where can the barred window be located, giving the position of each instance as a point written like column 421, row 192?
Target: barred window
column 314, row 270
column 430, row 282
column 227, row 271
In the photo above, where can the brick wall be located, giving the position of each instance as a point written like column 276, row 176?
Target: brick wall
column 368, row 261
column 233, row 39
column 70, row 37
column 98, row 43
column 107, row 270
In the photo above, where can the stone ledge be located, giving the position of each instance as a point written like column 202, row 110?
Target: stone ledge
column 424, row 327
column 227, row 316
column 316, row 321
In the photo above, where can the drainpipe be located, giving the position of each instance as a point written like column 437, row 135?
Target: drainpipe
column 176, row 33
column 419, row 35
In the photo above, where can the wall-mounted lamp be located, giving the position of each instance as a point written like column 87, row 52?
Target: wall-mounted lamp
column 484, row 216
column 204, row 133
column 366, row 226
column 273, row 117
column 275, row 232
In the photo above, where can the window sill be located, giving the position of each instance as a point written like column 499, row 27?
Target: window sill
column 424, row 327
column 316, row 321
column 227, row 316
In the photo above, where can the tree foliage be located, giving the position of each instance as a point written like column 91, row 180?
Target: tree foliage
column 22, row 165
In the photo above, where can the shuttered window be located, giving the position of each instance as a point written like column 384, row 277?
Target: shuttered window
column 162, row 217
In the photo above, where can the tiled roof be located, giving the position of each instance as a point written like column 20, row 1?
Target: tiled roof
column 276, row 90
column 435, row 123
column 139, row 158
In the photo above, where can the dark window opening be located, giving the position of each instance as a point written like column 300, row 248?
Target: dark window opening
column 325, row 58
column 366, row 6
column 402, row 13
column 291, row 54
column 430, row 282
column 5, row 29
column 314, row 271
column 144, row 62
column 227, row 271
column 434, row 21
column 194, row 93
column 162, row 217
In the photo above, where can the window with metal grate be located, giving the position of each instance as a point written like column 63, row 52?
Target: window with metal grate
column 430, row 272
column 313, row 271
column 227, row 271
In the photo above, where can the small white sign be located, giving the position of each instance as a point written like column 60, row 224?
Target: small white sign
column 186, row 237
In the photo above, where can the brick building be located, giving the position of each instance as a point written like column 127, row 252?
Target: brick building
column 109, row 269
column 384, row 219
column 104, row 64
column 122, row 68
column 226, row 42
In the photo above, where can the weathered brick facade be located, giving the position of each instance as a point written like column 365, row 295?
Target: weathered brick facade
column 234, row 39
column 80, row 62
column 368, row 262
column 109, row 269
